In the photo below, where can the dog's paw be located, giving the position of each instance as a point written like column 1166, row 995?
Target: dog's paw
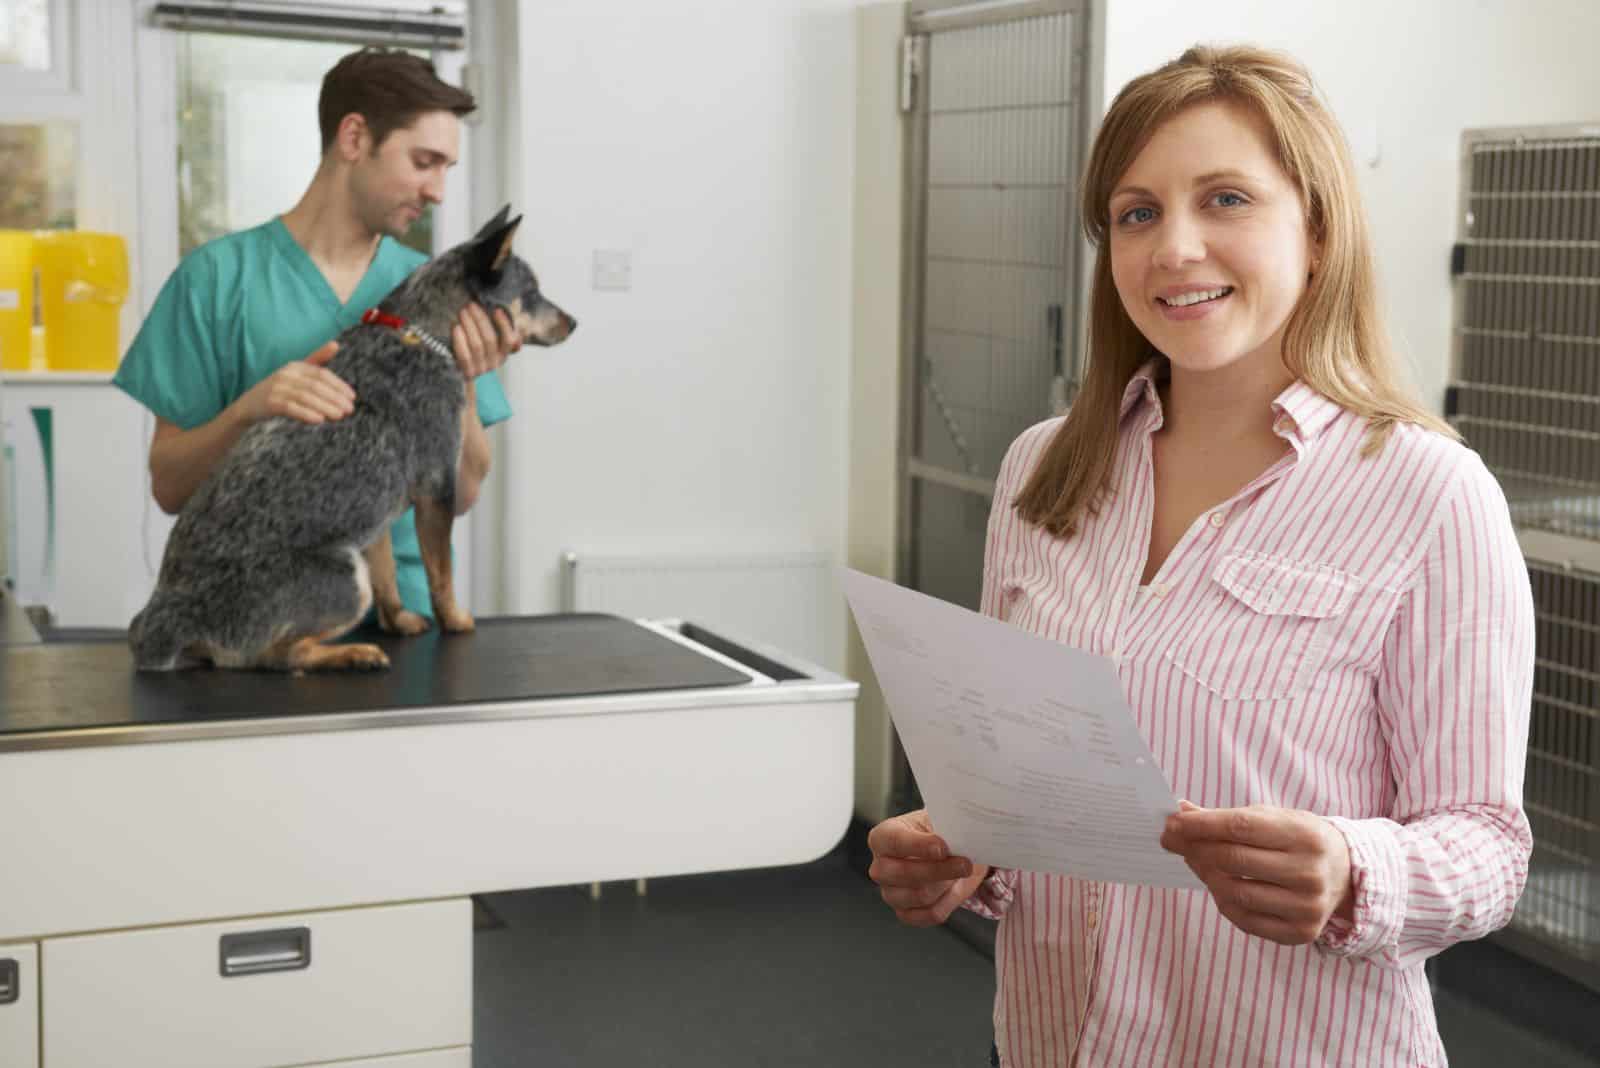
column 457, row 622
column 357, row 658
column 404, row 622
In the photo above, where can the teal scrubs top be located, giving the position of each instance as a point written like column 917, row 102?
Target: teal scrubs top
column 240, row 307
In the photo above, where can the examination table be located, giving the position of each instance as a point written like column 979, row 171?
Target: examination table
column 240, row 870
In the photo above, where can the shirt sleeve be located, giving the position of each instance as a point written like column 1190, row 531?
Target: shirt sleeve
column 493, row 407
column 1453, row 690
column 172, row 367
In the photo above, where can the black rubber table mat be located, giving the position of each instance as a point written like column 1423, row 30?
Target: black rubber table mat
column 65, row 686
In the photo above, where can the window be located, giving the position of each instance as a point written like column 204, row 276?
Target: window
column 25, row 34
column 34, row 56
column 248, row 141
column 38, row 175
column 39, row 117
column 247, row 77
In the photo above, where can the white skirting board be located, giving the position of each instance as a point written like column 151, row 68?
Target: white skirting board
column 788, row 600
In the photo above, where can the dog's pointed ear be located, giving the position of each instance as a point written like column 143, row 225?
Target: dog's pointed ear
column 491, row 248
column 493, row 224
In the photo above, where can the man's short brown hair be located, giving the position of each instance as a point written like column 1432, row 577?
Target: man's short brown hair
column 389, row 89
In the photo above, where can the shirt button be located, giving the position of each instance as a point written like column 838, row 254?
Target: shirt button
column 1282, row 425
column 1216, row 519
column 1094, row 920
column 1158, row 590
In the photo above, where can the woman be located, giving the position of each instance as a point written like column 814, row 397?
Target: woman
column 1314, row 597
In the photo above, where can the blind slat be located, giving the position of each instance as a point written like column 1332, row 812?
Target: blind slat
column 399, row 27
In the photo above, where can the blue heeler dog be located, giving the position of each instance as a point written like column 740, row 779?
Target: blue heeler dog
column 285, row 546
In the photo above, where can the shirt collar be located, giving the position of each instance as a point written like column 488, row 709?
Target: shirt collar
column 1302, row 413
column 1142, row 387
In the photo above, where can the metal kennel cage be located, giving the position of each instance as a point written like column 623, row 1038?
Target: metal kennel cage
column 1525, row 393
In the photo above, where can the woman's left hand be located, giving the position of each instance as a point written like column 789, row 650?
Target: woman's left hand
column 1278, row 873
column 482, row 342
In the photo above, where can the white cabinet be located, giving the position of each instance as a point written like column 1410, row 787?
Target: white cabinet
column 281, row 990
column 146, row 844
column 87, row 536
column 19, row 1006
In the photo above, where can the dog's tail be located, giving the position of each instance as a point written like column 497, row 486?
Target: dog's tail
column 158, row 634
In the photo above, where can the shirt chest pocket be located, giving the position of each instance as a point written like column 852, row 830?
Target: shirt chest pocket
column 1263, row 627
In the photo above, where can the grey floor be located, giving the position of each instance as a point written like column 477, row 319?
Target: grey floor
column 1478, row 1037
column 770, row 969
column 804, row 966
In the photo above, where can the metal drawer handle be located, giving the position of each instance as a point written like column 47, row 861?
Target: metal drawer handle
column 286, row 949
column 10, row 982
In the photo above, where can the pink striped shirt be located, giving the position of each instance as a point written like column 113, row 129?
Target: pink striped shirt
column 1348, row 636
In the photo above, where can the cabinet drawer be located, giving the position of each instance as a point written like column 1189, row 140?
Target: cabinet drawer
column 19, row 1005
column 277, row 990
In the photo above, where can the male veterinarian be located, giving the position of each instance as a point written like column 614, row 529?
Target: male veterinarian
column 227, row 343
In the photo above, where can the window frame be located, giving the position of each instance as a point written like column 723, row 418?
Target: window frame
column 61, row 75
column 97, row 96
column 29, row 97
column 155, row 61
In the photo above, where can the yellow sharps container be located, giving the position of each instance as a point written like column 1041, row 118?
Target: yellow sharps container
column 83, row 280
column 16, row 299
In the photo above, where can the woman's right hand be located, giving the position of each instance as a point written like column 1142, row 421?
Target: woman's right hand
column 305, row 390
column 915, row 872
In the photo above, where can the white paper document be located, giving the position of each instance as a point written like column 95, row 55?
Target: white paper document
column 1025, row 749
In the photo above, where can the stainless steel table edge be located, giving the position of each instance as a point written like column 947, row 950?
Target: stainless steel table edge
column 819, row 685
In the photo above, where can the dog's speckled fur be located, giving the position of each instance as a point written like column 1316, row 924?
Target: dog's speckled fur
column 266, row 560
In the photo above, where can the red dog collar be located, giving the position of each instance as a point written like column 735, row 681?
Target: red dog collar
column 372, row 316
column 408, row 333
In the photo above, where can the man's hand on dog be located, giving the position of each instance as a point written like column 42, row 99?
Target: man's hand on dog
column 305, row 390
column 481, row 343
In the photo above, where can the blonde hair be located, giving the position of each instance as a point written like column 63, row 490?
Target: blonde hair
column 1334, row 340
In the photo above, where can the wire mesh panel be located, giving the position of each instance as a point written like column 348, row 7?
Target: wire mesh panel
column 1527, row 392
column 1526, row 395
column 1561, row 905
column 999, row 121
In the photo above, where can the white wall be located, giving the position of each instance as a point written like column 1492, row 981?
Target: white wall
column 1405, row 78
column 705, row 410
column 875, row 386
